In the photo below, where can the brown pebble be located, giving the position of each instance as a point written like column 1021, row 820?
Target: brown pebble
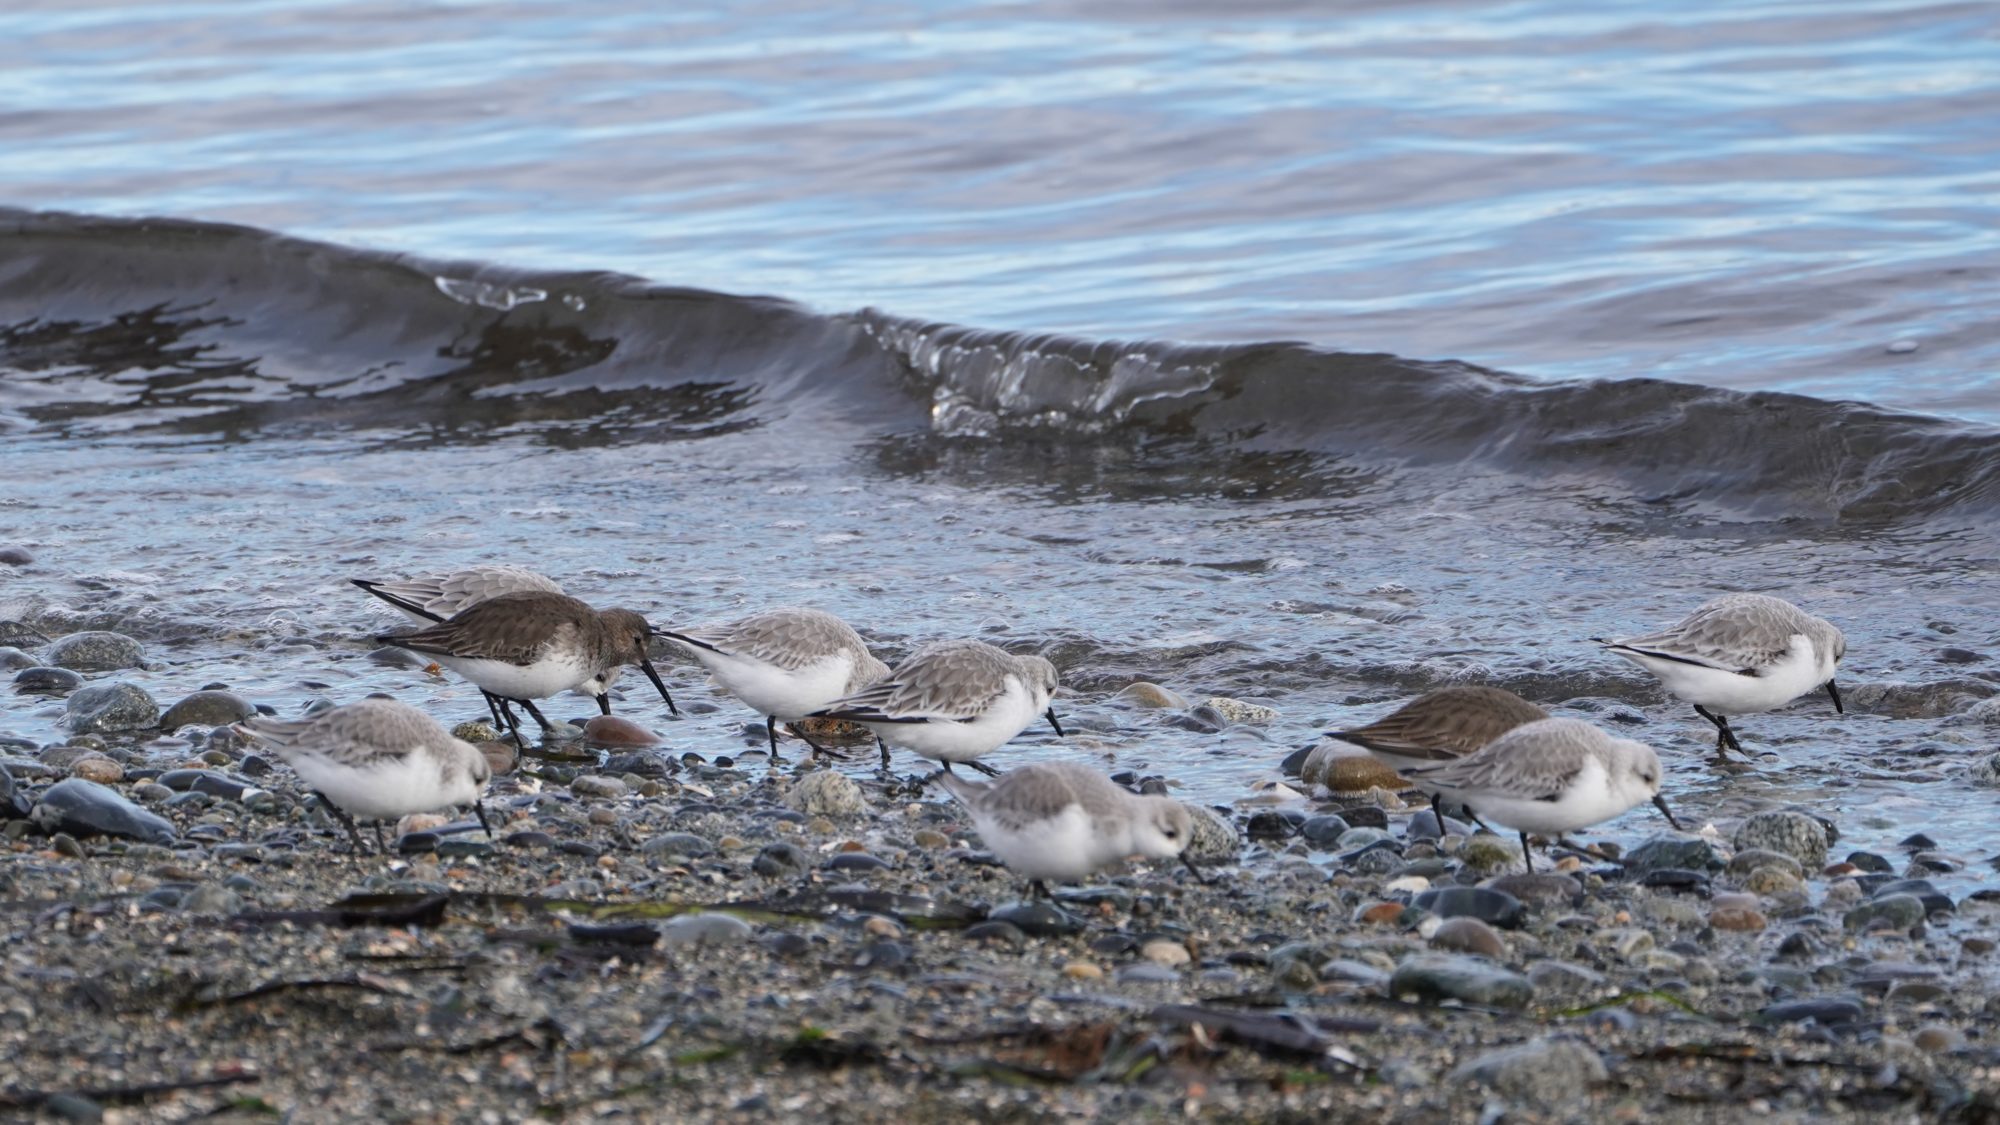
column 420, row 822
column 1161, row 951
column 1735, row 899
column 1937, row 1038
column 604, row 818
column 1741, row 919
column 1976, row 945
column 931, row 838
column 610, row 730
column 851, row 846
column 878, row 926
column 1468, row 935
column 97, row 768
column 1346, row 770
column 501, row 756
column 831, row 730
column 1082, row 970
column 1382, row 914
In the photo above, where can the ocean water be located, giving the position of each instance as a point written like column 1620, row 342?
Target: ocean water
column 1300, row 355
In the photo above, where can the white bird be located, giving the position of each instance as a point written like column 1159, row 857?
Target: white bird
column 953, row 701
column 376, row 759
column 1061, row 821
column 1550, row 777
column 1740, row 654
column 786, row 663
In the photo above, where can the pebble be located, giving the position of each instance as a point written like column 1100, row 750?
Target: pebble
column 1486, row 852
column 1541, row 1072
column 930, row 838
column 1563, row 982
column 1832, row 1011
column 1146, row 972
column 826, row 793
column 47, row 681
column 1496, row 908
column 705, row 928
column 1746, row 861
column 1468, row 935
column 111, row 707
column 1449, row 976
column 780, row 860
column 211, row 782
column 1151, row 696
column 13, row 659
column 610, row 730
column 11, row 555
column 856, row 861
column 1344, row 768
column 1543, row 888
column 1237, row 711
column 1774, row 882
column 1690, row 853
column 86, row 808
column 1324, row 830
column 1082, row 970
column 1892, row 912
column 211, row 899
column 687, row 845
column 501, row 757
column 98, row 768
column 1213, row 839
column 97, row 651
column 1003, row 933
column 597, row 785
column 208, row 709
column 1939, row 1039
column 1038, row 919
column 1161, row 951
column 1737, row 919
column 1786, row 832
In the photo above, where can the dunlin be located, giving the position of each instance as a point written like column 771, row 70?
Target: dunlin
column 1439, row 726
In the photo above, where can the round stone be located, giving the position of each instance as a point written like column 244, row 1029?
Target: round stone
column 1738, row 919
column 1161, row 951
column 610, row 730
column 97, row 651
column 1468, row 935
column 1433, row 977
column 1151, row 697
column 596, row 785
column 208, row 709
column 1237, row 711
column 111, row 707
column 1786, row 832
column 826, row 793
column 1213, row 838
column 98, row 768
column 46, row 681
column 1344, row 768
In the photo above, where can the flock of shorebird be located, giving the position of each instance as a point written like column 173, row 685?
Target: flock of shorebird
column 517, row 637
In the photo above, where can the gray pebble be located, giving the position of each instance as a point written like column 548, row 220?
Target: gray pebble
column 13, row 659
column 1444, row 976
column 1213, row 837
column 97, row 651
column 826, row 793
column 1894, row 912
column 111, row 707
column 681, row 845
column 1540, row 1072
column 208, row 709
column 704, row 929
column 47, row 681
column 11, row 555
column 781, row 860
column 87, row 808
column 1786, row 832
column 1689, row 853
column 596, row 785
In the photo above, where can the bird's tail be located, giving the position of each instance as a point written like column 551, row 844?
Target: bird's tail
column 964, row 788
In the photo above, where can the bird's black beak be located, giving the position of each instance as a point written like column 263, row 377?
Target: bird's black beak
column 653, row 675
column 604, row 702
column 1835, row 693
column 1198, row 876
column 1660, row 803
column 479, row 810
column 1051, row 715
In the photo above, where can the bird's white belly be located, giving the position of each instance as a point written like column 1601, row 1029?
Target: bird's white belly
column 947, row 740
column 1062, row 848
column 771, row 690
column 411, row 783
column 1589, row 800
column 1731, row 693
column 551, row 675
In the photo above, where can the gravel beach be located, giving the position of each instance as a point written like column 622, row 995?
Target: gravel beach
column 666, row 934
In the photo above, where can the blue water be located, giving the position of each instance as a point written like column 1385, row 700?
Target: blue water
column 1762, row 195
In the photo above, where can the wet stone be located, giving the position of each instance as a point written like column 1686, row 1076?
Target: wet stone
column 997, row 933
column 1827, row 1011
column 595, row 785
column 1486, row 852
column 1273, row 824
column 1434, row 977
column 1688, row 853
column 13, row 659
column 528, row 839
column 1543, row 888
column 1037, row 919
column 1893, row 913
column 1563, row 982
column 1213, row 837
column 610, row 730
column 208, row 709
column 1933, row 899
column 96, row 651
column 1150, row 696
column 1795, row 834
column 704, row 929
column 1744, row 862
column 464, row 847
column 856, row 861
column 684, row 845
column 111, row 707
column 826, row 793
column 211, row 899
column 211, row 782
column 787, row 944
column 1468, row 935
column 1540, row 1072
column 11, row 555
column 47, row 681
column 781, row 860
column 1145, row 972
column 85, row 808
column 1493, row 907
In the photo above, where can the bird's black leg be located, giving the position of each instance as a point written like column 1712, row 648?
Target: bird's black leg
column 1527, row 856
column 535, row 713
column 346, row 821
column 513, row 726
column 1723, row 735
column 381, row 844
column 479, row 810
column 493, row 709
column 982, row 767
column 1039, row 889
column 604, row 702
column 884, row 747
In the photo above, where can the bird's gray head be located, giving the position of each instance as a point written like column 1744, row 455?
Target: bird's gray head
column 1040, row 675
column 626, row 635
column 1640, row 767
column 1165, row 828
column 476, row 763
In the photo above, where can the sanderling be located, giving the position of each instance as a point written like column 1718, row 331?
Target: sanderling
column 785, row 663
column 1550, row 777
column 953, row 701
column 522, row 647
column 1062, row 821
column 430, row 598
column 1737, row 655
column 1439, row 726
column 376, row 759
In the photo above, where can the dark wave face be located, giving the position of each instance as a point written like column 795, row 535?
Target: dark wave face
column 226, row 332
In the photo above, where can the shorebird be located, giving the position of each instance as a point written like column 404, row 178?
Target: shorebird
column 1061, row 821
column 786, row 663
column 953, row 701
column 376, row 759
column 1439, row 726
column 1550, row 777
column 1740, row 654
column 522, row 647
